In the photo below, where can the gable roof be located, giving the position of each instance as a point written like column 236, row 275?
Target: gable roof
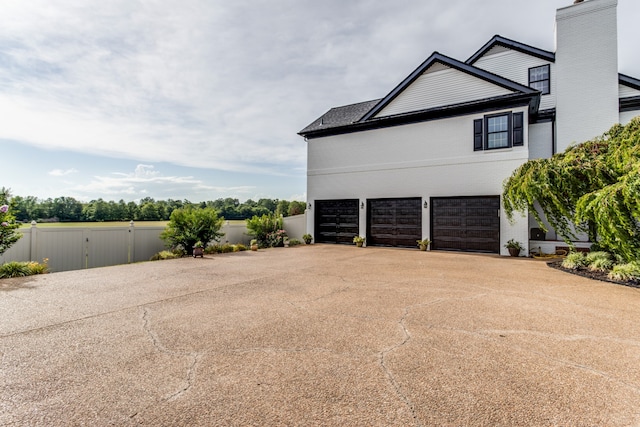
column 438, row 58
column 362, row 116
column 498, row 40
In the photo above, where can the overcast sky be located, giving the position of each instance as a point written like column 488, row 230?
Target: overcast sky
column 202, row 99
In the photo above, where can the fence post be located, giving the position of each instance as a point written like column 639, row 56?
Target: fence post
column 33, row 249
column 132, row 240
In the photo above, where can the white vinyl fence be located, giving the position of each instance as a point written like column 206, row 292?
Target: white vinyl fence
column 75, row 248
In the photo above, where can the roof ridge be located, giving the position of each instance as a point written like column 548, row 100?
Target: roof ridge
column 512, row 44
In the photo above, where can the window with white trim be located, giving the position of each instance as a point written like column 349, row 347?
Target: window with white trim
column 497, row 131
column 540, row 78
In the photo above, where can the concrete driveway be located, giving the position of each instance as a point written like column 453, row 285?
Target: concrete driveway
column 320, row 335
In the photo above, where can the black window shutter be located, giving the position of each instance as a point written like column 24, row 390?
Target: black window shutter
column 477, row 134
column 518, row 129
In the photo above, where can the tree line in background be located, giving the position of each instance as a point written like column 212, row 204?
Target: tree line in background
column 68, row 209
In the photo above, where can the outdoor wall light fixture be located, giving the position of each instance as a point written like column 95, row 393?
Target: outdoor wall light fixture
column 426, row 205
column 309, row 206
column 361, row 205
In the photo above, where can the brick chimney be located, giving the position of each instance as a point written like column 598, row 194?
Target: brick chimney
column 586, row 70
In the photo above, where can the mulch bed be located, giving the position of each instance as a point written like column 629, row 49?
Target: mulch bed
column 594, row 275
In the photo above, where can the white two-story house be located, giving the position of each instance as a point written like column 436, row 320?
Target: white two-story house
column 429, row 158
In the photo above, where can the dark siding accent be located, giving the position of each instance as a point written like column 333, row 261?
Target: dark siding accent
column 477, row 134
column 543, row 116
column 469, row 224
column 336, row 221
column 629, row 81
column 394, row 222
column 629, row 104
column 518, row 129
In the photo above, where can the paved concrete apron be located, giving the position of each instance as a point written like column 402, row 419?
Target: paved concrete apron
column 320, row 335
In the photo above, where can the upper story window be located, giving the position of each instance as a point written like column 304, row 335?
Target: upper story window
column 495, row 131
column 540, row 78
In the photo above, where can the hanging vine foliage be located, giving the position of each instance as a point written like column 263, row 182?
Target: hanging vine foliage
column 592, row 187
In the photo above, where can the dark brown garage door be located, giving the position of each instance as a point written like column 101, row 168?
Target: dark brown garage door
column 466, row 224
column 337, row 221
column 394, row 222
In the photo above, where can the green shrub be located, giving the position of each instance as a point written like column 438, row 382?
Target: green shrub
column 239, row 247
column 189, row 225
column 599, row 261
column 165, row 255
column 38, row 268
column 226, row 248
column 15, row 269
column 574, row 261
column 294, row 242
column 212, row 249
column 630, row 271
column 276, row 238
column 221, row 249
column 261, row 226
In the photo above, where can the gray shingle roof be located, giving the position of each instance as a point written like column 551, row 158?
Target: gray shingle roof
column 340, row 116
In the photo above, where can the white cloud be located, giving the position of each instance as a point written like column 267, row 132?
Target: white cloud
column 145, row 180
column 62, row 172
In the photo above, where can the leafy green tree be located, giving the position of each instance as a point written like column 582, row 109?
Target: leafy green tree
column 132, row 211
column 592, row 187
column 270, row 204
column 283, row 208
column 149, row 212
column 297, row 208
column 20, row 208
column 66, row 209
column 96, row 210
column 8, row 226
column 190, row 225
column 119, row 210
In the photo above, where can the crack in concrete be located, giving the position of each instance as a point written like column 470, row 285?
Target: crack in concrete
column 392, row 379
column 407, row 337
column 194, row 357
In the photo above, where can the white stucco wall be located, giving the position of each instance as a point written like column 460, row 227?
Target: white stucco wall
column 431, row 159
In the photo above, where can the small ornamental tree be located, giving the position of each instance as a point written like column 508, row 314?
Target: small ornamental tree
column 8, row 225
column 262, row 227
column 190, row 225
column 593, row 186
